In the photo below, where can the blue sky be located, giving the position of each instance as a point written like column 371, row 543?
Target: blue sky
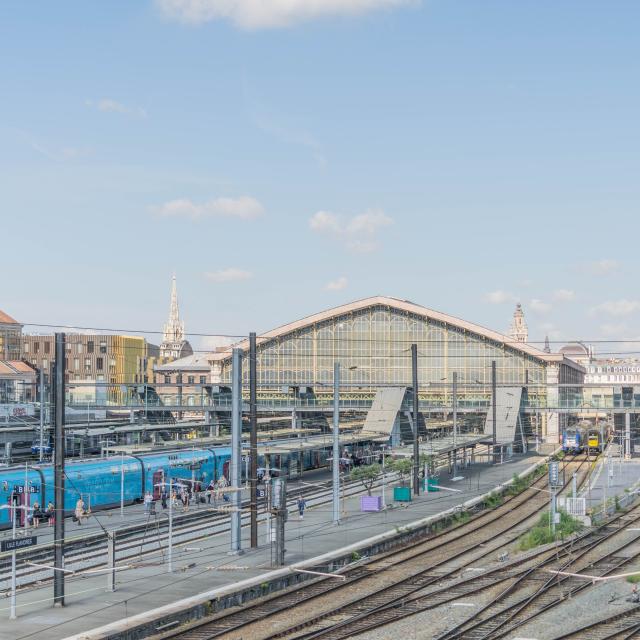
column 284, row 157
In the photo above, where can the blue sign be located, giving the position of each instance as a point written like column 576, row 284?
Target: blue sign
column 554, row 474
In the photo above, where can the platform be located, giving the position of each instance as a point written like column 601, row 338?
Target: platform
column 88, row 605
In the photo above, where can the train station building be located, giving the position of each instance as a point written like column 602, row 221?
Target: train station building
column 371, row 340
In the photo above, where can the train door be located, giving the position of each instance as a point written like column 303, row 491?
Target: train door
column 158, row 479
column 225, row 469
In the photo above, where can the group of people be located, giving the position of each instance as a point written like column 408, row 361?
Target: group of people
column 36, row 514
column 184, row 493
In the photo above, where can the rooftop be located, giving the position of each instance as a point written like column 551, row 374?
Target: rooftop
column 5, row 318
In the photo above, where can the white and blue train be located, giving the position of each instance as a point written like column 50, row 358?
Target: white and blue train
column 98, row 480
column 574, row 440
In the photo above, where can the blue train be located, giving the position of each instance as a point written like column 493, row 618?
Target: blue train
column 98, row 480
column 574, row 440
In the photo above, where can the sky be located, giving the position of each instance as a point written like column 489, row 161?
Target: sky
column 286, row 156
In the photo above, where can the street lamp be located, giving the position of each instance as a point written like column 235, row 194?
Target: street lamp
column 12, row 610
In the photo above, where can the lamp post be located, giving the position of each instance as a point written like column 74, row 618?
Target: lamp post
column 12, row 609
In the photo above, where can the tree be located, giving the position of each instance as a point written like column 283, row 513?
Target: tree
column 403, row 467
column 367, row 474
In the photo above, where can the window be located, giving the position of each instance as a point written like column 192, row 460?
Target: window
column 26, row 347
column 103, row 346
column 90, row 346
column 99, row 363
column 203, row 379
column 45, row 363
column 167, row 379
column 47, row 347
column 79, row 347
column 191, row 379
column 112, row 363
column 36, row 347
column 76, row 364
column 100, row 377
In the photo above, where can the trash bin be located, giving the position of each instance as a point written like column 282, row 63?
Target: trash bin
column 433, row 484
column 402, row 494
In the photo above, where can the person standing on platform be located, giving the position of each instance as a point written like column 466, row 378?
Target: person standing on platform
column 163, row 497
column 51, row 513
column 302, row 503
column 79, row 512
column 148, row 499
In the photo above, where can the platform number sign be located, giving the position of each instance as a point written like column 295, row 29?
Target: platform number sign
column 554, row 473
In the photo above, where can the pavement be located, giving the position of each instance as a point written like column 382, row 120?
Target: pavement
column 208, row 564
column 610, row 477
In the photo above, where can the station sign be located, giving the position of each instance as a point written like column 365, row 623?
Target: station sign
column 18, row 543
column 554, row 473
column 261, row 493
column 17, row 410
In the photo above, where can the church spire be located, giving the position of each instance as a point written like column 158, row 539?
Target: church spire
column 174, row 344
column 519, row 331
column 547, row 347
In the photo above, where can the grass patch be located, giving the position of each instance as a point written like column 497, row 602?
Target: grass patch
column 493, row 501
column 634, row 579
column 518, row 485
column 541, row 533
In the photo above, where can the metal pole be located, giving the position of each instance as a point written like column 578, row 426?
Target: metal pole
column 574, row 486
column 253, row 439
column 384, row 481
column 111, row 560
column 122, row 484
column 41, row 454
column 58, row 535
column 416, row 449
column 454, row 402
column 494, row 400
column 236, row 453
column 627, row 436
column 336, row 443
column 553, row 510
column 12, row 615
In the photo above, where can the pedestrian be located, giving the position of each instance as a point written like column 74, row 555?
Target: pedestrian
column 185, row 501
column 163, row 497
column 37, row 515
column 302, row 503
column 210, row 489
column 79, row 512
column 148, row 499
column 51, row 513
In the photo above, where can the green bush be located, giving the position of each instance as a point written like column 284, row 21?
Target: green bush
column 541, row 533
column 493, row 501
column 634, row 578
column 518, row 485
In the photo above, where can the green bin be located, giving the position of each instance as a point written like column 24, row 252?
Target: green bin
column 433, row 484
column 402, row 494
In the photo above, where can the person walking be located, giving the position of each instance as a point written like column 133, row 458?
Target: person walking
column 210, row 489
column 148, row 499
column 302, row 503
column 51, row 513
column 79, row 512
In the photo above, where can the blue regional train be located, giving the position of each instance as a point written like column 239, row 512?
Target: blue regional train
column 574, row 440
column 98, row 480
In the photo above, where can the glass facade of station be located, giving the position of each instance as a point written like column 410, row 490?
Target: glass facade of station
column 373, row 347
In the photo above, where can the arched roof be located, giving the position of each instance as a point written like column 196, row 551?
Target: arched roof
column 401, row 305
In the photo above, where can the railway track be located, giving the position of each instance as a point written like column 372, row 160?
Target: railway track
column 135, row 541
column 621, row 626
column 537, row 591
column 398, row 567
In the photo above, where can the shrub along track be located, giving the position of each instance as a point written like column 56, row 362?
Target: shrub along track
column 390, row 576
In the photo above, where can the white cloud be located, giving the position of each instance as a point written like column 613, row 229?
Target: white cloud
column 603, row 267
column 614, row 329
column 230, row 274
column 215, row 343
column 244, row 207
column 358, row 233
column 499, row 297
column 538, row 306
column 337, row 285
column 564, row 295
column 622, row 307
column 113, row 106
column 265, row 14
